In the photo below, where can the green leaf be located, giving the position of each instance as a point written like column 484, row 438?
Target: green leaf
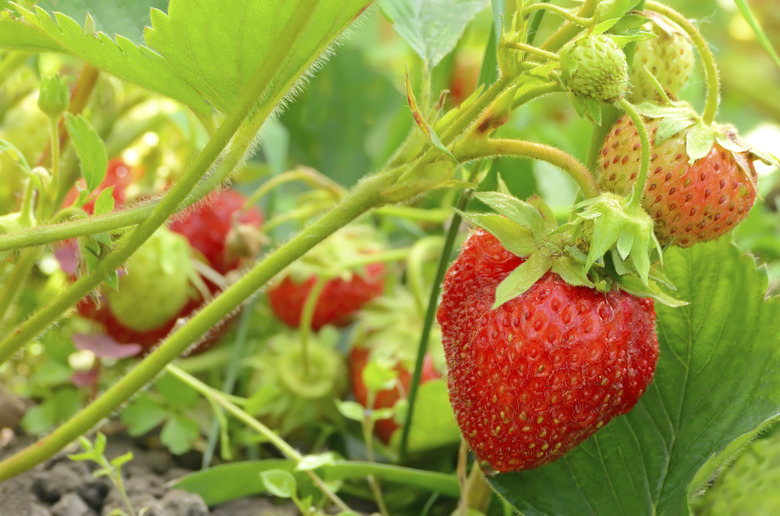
column 217, row 50
column 311, row 462
column 379, row 374
column 351, row 410
column 89, row 148
column 279, row 482
column 136, row 64
column 178, row 434
column 177, row 394
column 239, row 479
column 261, row 398
column 16, row 154
column 142, row 415
column 120, row 461
column 105, row 201
column 433, row 424
column 522, row 278
column 744, row 8
column 127, row 18
column 715, row 381
column 431, row 27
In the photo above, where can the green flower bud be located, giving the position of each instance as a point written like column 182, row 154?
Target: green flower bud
column 594, row 67
column 54, row 96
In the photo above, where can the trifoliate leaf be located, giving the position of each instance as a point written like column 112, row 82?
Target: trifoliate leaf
column 178, row 434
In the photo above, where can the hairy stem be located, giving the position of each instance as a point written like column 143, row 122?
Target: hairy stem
column 14, row 282
column 710, row 68
column 569, row 29
column 487, row 148
column 573, row 18
column 307, row 175
column 639, row 186
column 530, row 49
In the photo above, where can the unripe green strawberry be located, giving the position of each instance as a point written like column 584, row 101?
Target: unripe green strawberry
column 594, row 67
column 156, row 285
column 690, row 203
column 748, row 487
column 669, row 57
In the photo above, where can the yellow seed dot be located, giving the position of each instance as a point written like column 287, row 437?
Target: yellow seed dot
column 545, row 446
column 509, row 337
column 558, row 446
column 541, row 368
column 543, row 433
column 600, row 424
column 532, row 446
column 523, row 416
column 539, row 420
column 526, row 429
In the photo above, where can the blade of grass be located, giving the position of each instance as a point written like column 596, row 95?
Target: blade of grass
column 747, row 13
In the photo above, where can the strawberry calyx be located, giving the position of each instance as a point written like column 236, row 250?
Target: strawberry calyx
column 700, row 137
column 607, row 245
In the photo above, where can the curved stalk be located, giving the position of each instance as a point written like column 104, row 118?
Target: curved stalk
column 486, row 148
column 710, row 68
column 414, row 267
column 569, row 30
column 14, row 282
column 307, row 316
column 308, row 176
column 573, row 18
column 639, row 186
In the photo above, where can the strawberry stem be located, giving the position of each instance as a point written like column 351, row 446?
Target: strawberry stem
column 486, row 148
column 307, row 315
column 644, row 165
column 530, row 49
column 14, row 282
column 573, row 18
column 710, row 67
column 569, row 29
column 306, row 175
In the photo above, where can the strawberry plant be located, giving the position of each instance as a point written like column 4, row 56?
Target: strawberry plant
column 427, row 251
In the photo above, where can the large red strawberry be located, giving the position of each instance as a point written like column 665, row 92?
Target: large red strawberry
column 690, row 201
column 344, row 293
column 219, row 229
column 537, row 375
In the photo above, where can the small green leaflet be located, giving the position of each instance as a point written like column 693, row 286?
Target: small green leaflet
column 279, row 482
column 16, row 154
column 699, row 141
column 431, row 27
column 89, row 148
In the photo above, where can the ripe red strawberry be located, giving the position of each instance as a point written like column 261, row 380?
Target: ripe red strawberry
column 339, row 300
column 542, row 372
column 216, row 227
column 386, row 398
column 690, row 203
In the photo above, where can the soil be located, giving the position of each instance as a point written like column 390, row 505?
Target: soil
column 62, row 487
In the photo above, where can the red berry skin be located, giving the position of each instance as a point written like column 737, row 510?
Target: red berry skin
column 208, row 224
column 690, row 203
column 386, row 398
column 532, row 379
column 339, row 299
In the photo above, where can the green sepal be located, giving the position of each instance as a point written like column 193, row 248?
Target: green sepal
column 522, row 278
column 671, row 125
column 699, row 141
column 518, row 211
column 571, row 270
column 586, row 107
column 517, row 239
column 634, row 286
column 610, row 222
column 419, row 119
